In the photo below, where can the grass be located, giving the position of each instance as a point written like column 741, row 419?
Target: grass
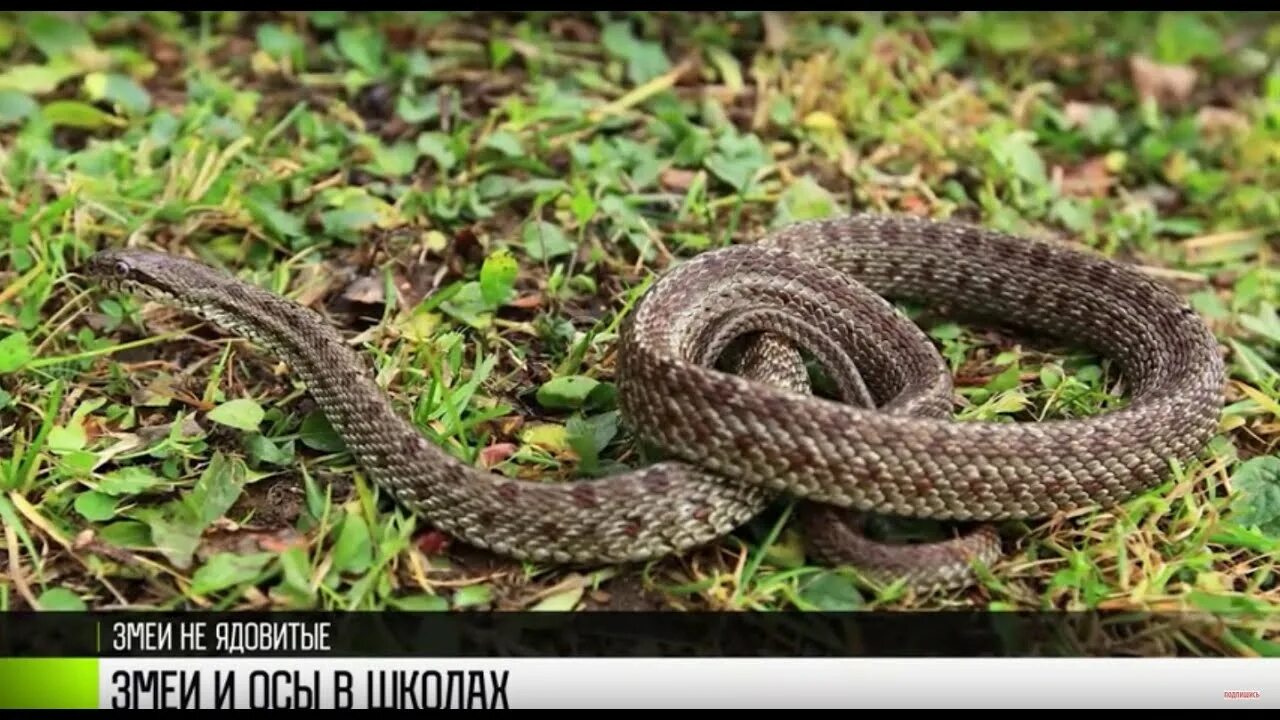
column 478, row 201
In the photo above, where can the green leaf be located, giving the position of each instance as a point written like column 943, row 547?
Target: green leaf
column 1183, row 37
column 1008, row 402
column 419, row 603
column 36, row 79
column 645, row 58
column 414, row 109
column 505, row 143
column 1008, row 379
column 436, row 146
column 318, row 434
column 326, row 19
column 805, row 199
column 946, row 331
column 1015, row 153
column 498, row 277
column 347, row 221
column 728, row 66
column 175, row 531
column 363, row 47
column 566, row 392
column 267, row 451
column 15, row 352
column 418, row 64
column 563, row 601
column 54, row 35
column 1266, row 323
column 499, row 52
column 267, row 212
column 67, row 438
column 543, row 241
column 130, row 480
column 126, row 533
column 1258, row 481
column 472, row 595
column 786, row 551
column 317, row 499
column 96, row 506
column 590, row 436
column 76, row 114
column 225, row 570
column 218, row 488
column 833, row 592
column 737, row 160
column 1226, row 604
column 353, row 550
column 276, row 41
column 164, row 128
column 1051, row 376
column 1251, row 363
column 243, row 413
column 118, row 89
column 393, row 161
column 295, row 578
column 583, row 206
column 469, row 305
column 61, row 600
column 16, row 106
column 1009, row 34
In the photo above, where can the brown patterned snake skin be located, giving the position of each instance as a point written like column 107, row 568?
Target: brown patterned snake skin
column 735, row 441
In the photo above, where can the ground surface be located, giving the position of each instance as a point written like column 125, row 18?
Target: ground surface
column 390, row 170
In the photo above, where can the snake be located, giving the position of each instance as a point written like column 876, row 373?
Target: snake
column 712, row 368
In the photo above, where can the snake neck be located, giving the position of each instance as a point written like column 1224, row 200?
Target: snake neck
column 343, row 385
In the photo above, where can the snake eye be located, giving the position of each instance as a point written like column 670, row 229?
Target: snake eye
column 121, row 268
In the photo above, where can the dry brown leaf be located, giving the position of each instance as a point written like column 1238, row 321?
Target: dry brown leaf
column 1078, row 113
column 1221, row 121
column 496, row 453
column 677, row 178
column 527, row 302
column 1166, row 84
column 281, row 541
column 775, row 31
column 1088, row 179
column 913, row 204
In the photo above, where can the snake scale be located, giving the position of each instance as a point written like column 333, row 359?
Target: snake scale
column 734, row 437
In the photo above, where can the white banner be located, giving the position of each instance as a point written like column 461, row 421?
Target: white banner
column 437, row 683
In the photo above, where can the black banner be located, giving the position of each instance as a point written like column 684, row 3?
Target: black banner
column 594, row 634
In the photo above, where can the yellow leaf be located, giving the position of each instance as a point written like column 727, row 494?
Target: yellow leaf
column 419, row 326
column 95, row 85
column 1268, row 403
column 548, row 436
column 822, row 121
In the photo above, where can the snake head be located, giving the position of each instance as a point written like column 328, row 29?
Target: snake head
column 149, row 274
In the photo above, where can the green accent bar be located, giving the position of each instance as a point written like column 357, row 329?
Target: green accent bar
column 48, row 683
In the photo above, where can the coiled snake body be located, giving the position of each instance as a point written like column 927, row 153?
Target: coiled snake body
column 735, row 439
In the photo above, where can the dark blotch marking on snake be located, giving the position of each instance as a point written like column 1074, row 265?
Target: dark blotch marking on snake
column 657, row 484
column 584, row 496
